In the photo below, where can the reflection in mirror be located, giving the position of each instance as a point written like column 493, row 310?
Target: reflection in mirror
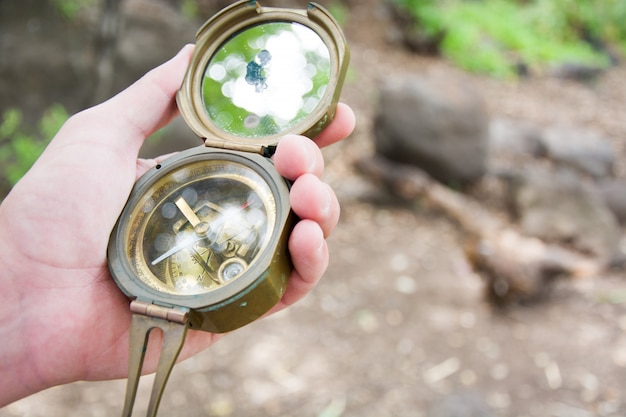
column 266, row 79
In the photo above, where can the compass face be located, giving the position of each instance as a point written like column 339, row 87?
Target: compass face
column 199, row 227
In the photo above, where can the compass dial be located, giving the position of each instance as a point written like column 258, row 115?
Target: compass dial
column 200, row 226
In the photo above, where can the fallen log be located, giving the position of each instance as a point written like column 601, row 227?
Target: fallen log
column 516, row 268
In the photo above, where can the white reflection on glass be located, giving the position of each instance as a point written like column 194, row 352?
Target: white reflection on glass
column 266, row 79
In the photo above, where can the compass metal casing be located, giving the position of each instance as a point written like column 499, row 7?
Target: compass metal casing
column 221, row 309
column 256, row 290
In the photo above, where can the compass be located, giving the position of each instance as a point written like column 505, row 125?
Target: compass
column 202, row 241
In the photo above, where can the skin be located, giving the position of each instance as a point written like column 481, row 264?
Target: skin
column 62, row 318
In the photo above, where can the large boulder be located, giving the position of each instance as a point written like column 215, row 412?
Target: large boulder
column 441, row 126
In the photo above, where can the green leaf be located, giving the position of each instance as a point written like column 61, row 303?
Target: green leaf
column 11, row 120
column 52, row 120
column 21, row 146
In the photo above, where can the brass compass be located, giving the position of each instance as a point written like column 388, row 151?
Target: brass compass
column 202, row 240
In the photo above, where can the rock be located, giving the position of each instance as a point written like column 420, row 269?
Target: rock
column 560, row 208
column 581, row 149
column 613, row 192
column 440, row 126
column 512, row 137
column 574, row 71
column 517, row 269
column 462, row 404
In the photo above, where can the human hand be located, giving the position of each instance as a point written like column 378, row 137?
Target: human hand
column 62, row 318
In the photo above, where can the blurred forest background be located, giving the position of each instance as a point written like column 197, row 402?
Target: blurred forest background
column 478, row 267
column 508, row 39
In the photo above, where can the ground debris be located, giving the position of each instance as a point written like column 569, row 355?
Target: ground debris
column 516, row 268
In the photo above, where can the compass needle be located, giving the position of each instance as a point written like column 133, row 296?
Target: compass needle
column 205, row 266
column 188, row 212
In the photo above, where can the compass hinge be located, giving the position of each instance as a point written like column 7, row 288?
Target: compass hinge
column 236, row 146
column 152, row 310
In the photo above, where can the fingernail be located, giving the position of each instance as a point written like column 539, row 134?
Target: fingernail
column 312, row 151
column 321, row 246
column 184, row 48
column 327, row 200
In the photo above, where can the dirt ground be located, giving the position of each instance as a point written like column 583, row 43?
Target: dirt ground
column 399, row 323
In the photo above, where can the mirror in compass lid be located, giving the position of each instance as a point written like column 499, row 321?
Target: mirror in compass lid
column 266, row 79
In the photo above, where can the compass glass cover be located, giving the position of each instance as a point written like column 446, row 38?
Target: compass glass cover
column 266, row 79
column 200, row 227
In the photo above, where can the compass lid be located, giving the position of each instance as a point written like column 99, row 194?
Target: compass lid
column 259, row 73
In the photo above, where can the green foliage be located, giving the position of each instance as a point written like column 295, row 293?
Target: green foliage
column 339, row 11
column 603, row 19
column 492, row 36
column 70, row 8
column 190, row 9
column 19, row 148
